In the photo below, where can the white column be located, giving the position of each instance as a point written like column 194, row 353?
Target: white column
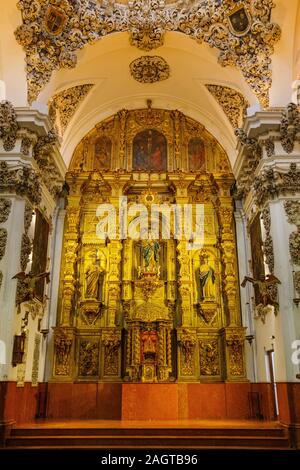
column 10, row 266
column 288, row 320
column 244, row 255
column 50, row 322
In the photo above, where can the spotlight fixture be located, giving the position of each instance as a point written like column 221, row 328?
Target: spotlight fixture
column 250, row 338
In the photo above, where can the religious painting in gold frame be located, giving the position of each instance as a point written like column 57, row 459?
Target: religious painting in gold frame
column 150, row 151
column 196, row 154
column 103, row 152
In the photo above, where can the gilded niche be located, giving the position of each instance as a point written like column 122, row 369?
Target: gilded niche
column 148, row 278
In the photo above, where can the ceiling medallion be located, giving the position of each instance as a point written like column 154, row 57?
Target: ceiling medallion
column 149, row 69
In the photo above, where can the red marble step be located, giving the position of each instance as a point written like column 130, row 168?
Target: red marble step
column 144, row 441
column 166, row 431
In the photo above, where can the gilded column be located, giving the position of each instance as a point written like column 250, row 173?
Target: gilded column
column 181, row 183
column 184, row 283
column 177, row 115
column 234, row 342
column 229, row 265
column 171, row 275
column 233, row 333
column 122, row 115
column 70, row 257
column 133, row 351
column 64, row 333
column 114, row 281
column 164, row 351
column 227, row 242
column 127, row 270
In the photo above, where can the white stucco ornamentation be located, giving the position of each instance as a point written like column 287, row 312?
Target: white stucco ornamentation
column 149, row 69
column 5, row 208
column 23, row 182
column 292, row 209
column 233, row 103
column 53, row 31
column 290, row 127
column 268, row 241
column 8, row 125
column 63, row 105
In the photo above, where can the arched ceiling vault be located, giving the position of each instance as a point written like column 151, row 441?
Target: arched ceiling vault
column 106, row 65
column 87, row 79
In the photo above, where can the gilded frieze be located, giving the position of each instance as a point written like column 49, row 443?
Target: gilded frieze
column 209, row 357
column 111, row 341
column 63, row 342
column 187, row 341
column 88, row 358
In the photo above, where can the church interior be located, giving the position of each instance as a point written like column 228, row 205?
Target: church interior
column 150, row 233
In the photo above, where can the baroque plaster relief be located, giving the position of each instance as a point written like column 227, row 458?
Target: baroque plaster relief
column 54, row 30
column 233, row 103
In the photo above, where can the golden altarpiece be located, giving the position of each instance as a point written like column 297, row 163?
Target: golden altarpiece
column 149, row 310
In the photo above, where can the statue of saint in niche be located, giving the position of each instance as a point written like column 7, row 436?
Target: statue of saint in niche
column 150, row 252
column 149, row 344
column 206, row 279
column 94, row 277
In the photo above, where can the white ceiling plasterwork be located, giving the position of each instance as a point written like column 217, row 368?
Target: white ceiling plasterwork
column 241, row 30
column 232, row 102
column 64, row 104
